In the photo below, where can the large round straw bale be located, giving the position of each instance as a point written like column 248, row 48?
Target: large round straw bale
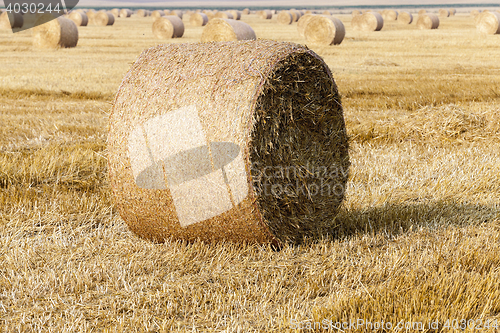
column 324, row 30
column 262, row 155
column 389, row 15
column 369, row 21
column 125, row 12
column 157, row 13
column 405, row 17
column 198, row 19
column 236, row 14
column 50, row 33
column 265, row 14
column 224, row 15
column 302, row 23
column 11, row 20
column 444, row 12
column 80, row 18
column 428, row 21
column 115, row 12
column 489, row 23
column 103, row 19
column 219, row 30
column 285, row 17
column 170, row 26
column 295, row 14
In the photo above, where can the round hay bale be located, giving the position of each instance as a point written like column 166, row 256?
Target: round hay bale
column 177, row 12
column 198, row 19
column 452, row 11
column 285, row 17
column 295, row 14
column 355, row 13
column 80, row 18
column 474, row 12
column 489, row 23
column 405, row 17
column 325, row 12
column 103, row 19
column 324, row 30
column 50, row 33
column 142, row 13
column 115, row 12
column 302, row 23
column 245, row 11
column 219, row 30
column 170, row 26
column 444, row 13
column 210, row 14
column 236, row 14
column 166, row 11
column 125, row 13
column 11, row 20
column 369, row 21
column 428, row 21
column 224, row 15
column 390, row 15
column 260, row 156
column 157, row 13
column 265, row 14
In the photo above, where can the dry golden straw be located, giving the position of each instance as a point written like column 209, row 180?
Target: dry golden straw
column 177, row 12
column 218, row 30
column 295, row 14
column 224, row 15
column 103, row 19
column 474, row 12
column 444, row 13
column 115, row 12
column 489, row 23
column 198, row 19
column 11, row 20
column 157, row 13
column 142, row 13
column 285, row 17
column 356, row 13
column 369, row 21
column 125, row 12
column 428, row 21
column 170, row 26
column 245, row 11
column 405, row 17
column 265, row 14
column 452, row 11
column 50, row 33
column 260, row 156
column 80, row 18
column 236, row 14
column 389, row 15
column 302, row 23
column 324, row 30
column 422, row 11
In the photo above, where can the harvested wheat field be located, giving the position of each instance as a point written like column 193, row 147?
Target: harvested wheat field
column 416, row 240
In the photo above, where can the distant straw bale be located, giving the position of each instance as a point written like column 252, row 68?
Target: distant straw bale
column 302, row 23
column 356, row 13
column 236, row 14
column 295, row 14
column 389, row 15
column 405, row 17
column 142, row 13
column 224, row 15
column 474, row 12
column 125, row 12
column 157, row 14
column 198, row 19
column 245, row 11
column 166, row 27
column 103, row 19
column 489, row 23
column 324, row 30
column 428, row 21
column 115, row 12
column 369, row 21
column 285, row 17
column 265, row 14
column 444, row 12
column 11, row 20
column 178, row 13
column 50, row 33
column 422, row 11
column 220, row 29
column 452, row 11
column 80, row 18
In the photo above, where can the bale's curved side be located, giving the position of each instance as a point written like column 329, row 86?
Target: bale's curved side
column 355, row 13
column 187, row 162
column 103, row 19
column 302, row 23
column 489, row 23
column 11, row 20
column 80, row 18
column 157, row 14
column 452, row 11
column 369, row 21
column 265, row 14
column 428, row 21
column 170, row 26
column 198, row 19
column 324, row 30
column 285, row 17
column 444, row 12
column 50, row 33
column 224, row 15
column 246, row 11
column 218, row 30
column 405, row 17
column 236, row 14
column 115, row 12
column 389, row 15
column 474, row 12
column 422, row 12
column 125, row 13
column 295, row 14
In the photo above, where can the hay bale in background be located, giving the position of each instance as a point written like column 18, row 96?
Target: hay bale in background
column 245, row 11
column 302, row 23
column 157, row 14
column 428, row 21
column 236, row 14
column 324, row 30
column 50, row 33
column 198, row 19
column 142, row 13
column 224, row 15
column 227, row 30
column 325, row 12
column 81, row 19
column 170, row 26
column 369, row 21
column 115, row 12
column 489, row 23
column 188, row 164
column 422, row 11
column 295, row 14
column 355, row 13
column 474, row 12
column 103, row 19
column 452, row 11
column 11, row 20
column 405, row 17
column 444, row 12
column 265, row 14
column 178, row 13
column 125, row 13
column 210, row 14
column 285, row 17
column 389, row 15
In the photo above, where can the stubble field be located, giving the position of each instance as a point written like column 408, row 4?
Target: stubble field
column 417, row 238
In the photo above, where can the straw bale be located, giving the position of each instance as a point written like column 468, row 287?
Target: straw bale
column 325, row 12
column 224, row 15
column 389, row 15
column 157, row 13
column 302, row 23
column 405, row 17
column 489, row 23
column 210, row 14
column 125, row 12
column 198, row 19
column 115, row 12
column 452, row 11
column 265, row 14
column 444, row 12
column 11, row 20
column 170, row 26
column 295, row 14
column 103, row 19
column 422, row 11
column 245, row 11
column 474, row 12
column 50, row 33
column 428, row 21
column 324, row 30
column 227, row 30
column 285, row 17
column 142, row 13
column 229, row 141
column 177, row 12
column 236, row 14
column 355, row 13
column 369, row 21
column 80, row 18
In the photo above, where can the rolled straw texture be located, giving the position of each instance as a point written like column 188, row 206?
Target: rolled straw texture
column 405, row 17
column 444, row 13
column 115, row 12
column 224, row 15
column 80, row 18
column 236, row 14
column 302, row 23
column 198, row 19
column 428, row 21
column 285, row 17
column 324, row 30
column 103, row 19
column 229, row 141
column 170, row 26
column 390, row 15
column 11, row 20
column 50, row 33
column 157, row 13
column 265, row 14
column 125, row 12
column 489, row 23
column 227, row 30
column 369, row 21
